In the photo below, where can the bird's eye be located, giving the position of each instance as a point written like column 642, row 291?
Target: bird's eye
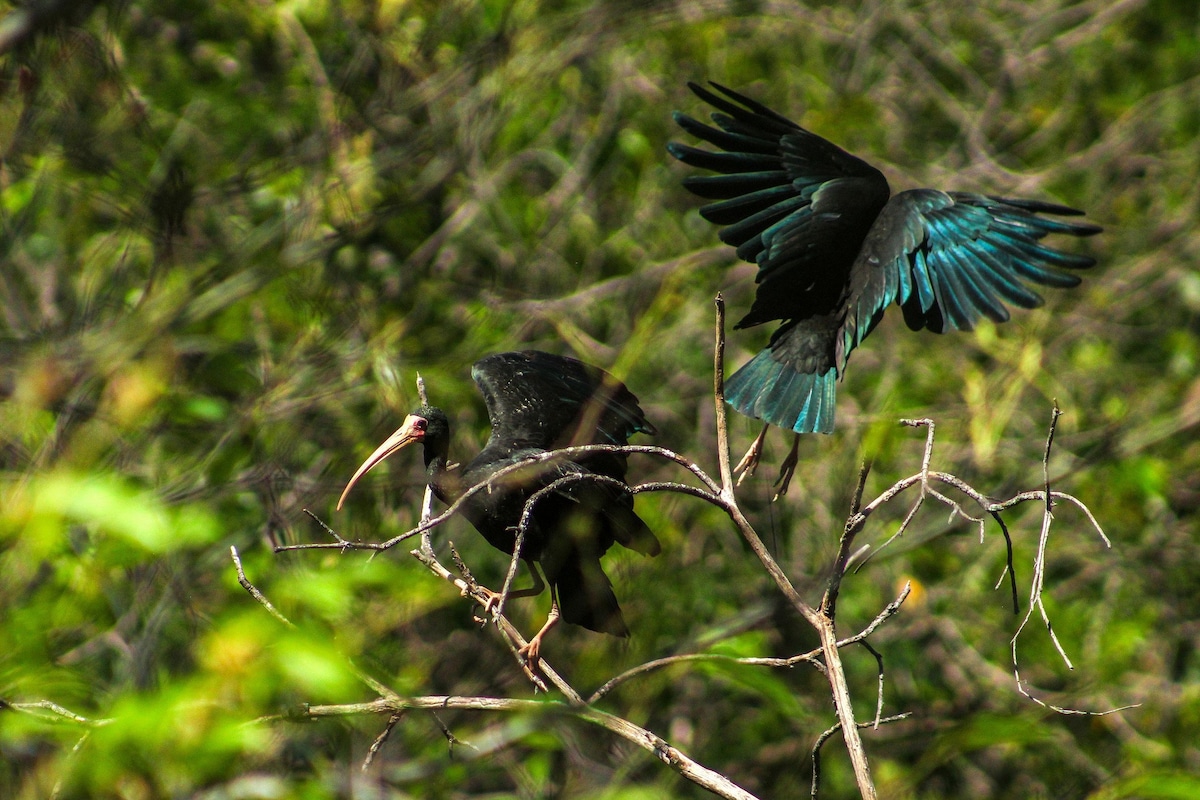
column 420, row 424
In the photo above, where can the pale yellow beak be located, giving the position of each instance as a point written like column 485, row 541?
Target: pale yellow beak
column 413, row 430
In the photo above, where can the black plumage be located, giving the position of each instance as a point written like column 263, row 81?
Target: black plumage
column 834, row 248
column 539, row 402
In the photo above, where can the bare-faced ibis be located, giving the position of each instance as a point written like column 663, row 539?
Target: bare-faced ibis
column 539, row 402
column 833, row 251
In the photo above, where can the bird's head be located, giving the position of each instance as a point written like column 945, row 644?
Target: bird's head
column 426, row 425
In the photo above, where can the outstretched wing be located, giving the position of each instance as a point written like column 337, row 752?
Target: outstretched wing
column 792, row 202
column 950, row 258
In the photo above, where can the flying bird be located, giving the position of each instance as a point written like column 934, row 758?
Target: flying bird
column 538, row 402
column 834, row 248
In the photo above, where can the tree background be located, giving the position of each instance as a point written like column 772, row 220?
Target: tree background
column 232, row 233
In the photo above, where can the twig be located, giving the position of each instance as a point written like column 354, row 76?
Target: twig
column 373, row 684
column 822, row 622
column 57, row 713
column 381, row 738
column 812, row 657
column 703, row 776
column 1046, row 495
column 824, row 737
column 1038, row 583
column 451, row 739
column 345, row 545
column 727, row 484
column 879, row 692
column 564, row 454
column 1009, row 567
column 253, row 590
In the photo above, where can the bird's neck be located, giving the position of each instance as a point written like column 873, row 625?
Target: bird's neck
column 443, row 479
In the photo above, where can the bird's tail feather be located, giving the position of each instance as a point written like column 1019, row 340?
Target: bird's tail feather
column 629, row 530
column 585, row 597
column 780, row 394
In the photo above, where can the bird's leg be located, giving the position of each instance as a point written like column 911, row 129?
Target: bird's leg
column 493, row 602
column 745, row 468
column 538, row 584
column 532, row 651
column 787, row 469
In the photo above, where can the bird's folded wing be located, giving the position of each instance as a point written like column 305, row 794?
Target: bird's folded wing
column 547, row 401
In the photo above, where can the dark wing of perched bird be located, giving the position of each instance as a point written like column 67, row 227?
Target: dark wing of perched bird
column 833, row 251
column 537, row 402
column 537, row 399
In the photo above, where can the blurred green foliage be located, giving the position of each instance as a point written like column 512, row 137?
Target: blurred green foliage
column 230, row 234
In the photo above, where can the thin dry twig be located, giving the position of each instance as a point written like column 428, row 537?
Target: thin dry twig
column 253, row 590
column 56, row 713
column 662, row 750
column 564, row 454
column 451, row 739
column 1037, row 585
column 824, row 737
column 1047, row 496
column 812, row 657
column 822, row 622
column 381, row 738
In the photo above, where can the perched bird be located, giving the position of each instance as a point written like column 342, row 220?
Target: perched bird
column 539, row 402
column 834, row 249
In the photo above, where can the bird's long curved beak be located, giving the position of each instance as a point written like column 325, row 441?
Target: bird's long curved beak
column 413, row 430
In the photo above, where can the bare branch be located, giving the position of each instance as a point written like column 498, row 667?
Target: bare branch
column 643, row 738
column 564, row 454
column 483, row 597
column 381, row 738
column 451, row 739
column 824, row 737
column 719, row 398
column 1038, row 583
column 56, row 713
column 822, row 622
column 812, row 657
column 254, row 592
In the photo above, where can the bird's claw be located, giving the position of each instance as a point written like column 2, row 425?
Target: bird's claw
column 491, row 603
column 749, row 463
column 531, row 651
column 787, row 469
